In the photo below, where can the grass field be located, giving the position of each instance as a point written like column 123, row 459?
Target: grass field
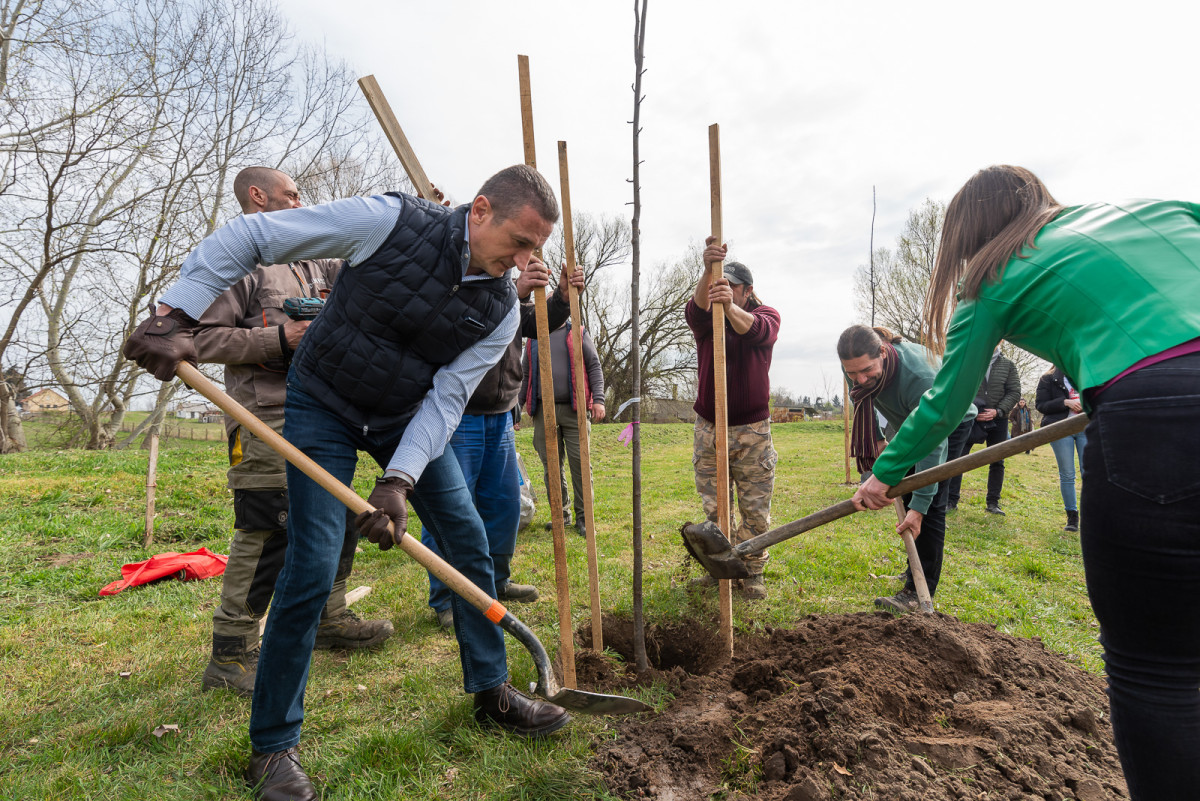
column 395, row 723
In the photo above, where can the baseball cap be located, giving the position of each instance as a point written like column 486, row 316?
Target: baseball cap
column 738, row 273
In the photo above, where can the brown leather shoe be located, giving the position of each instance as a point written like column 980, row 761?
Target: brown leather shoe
column 279, row 777
column 503, row 706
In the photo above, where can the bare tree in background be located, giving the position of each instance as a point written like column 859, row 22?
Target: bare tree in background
column 125, row 127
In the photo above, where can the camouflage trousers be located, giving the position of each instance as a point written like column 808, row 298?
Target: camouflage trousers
column 751, row 473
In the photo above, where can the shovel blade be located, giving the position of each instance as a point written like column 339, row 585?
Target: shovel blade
column 708, row 546
column 591, row 703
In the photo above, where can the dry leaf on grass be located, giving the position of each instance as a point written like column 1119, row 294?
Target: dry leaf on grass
column 164, row 728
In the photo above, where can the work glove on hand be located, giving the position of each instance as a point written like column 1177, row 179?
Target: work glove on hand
column 159, row 344
column 388, row 498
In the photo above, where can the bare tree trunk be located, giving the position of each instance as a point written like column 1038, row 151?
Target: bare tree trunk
column 639, row 632
column 872, row 255
column 12, row 435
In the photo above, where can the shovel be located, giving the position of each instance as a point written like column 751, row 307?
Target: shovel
column 722, row 560
column 546, row 686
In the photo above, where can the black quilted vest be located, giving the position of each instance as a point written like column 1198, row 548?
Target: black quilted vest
column 392, row 321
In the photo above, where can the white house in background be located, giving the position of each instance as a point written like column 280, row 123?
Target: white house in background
column 192, row 411
column 45, row 400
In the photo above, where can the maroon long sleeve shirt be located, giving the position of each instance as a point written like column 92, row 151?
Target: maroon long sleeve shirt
column 747, row 364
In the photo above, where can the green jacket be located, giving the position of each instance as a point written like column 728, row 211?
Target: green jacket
column 1106, row 286
column 897, row 400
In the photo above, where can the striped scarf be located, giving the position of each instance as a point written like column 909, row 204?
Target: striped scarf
column 862, row 440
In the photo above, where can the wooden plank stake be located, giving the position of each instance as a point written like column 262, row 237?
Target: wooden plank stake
column 391, row 128
column 581, row 407
column 151, row 487
column 846, row 425
column 549, row 421
column 720, row 410
column 356, row 594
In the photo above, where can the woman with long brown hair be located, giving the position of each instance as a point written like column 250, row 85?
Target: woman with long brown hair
column 1111, row 294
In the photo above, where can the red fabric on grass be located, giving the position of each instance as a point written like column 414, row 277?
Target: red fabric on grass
column 199, row 564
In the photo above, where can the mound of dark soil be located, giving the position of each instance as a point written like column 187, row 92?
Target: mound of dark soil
column 857, row 706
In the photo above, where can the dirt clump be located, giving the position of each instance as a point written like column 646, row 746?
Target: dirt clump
column 855, row 707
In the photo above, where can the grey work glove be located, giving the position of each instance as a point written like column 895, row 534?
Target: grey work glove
column 388, row 498
column 159, row 344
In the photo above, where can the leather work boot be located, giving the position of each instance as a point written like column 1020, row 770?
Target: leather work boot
column 446, row 618
column 1072, row 520
column 349, row 632
column 503, row 706
column 901, row 603
column 279, row 777
column 516, row 593
column 234, row 671
column 994, row 509
column 753, row 589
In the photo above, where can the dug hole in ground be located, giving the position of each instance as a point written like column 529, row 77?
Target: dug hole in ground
column 858, row 706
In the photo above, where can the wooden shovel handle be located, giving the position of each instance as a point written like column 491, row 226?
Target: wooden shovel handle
column 914, row 561
column 395, row 134
column 456, row 581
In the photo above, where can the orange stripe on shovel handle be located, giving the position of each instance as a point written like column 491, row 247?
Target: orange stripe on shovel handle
column 496, row 612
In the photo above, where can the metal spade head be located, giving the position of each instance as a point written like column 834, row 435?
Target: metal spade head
column 705, row 542
column 589, row 703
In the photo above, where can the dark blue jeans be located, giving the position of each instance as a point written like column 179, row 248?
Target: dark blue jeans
column 486, row 451
column 932, row 542
column 316, row 531
column 1141, row 553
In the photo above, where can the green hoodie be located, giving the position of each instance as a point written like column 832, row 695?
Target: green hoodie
column 1105, row 286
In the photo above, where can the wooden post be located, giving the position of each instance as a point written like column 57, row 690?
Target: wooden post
column 151, row 486
column 581, row 407
column 846, row 425
column 395, row 135
column 549, row 421
column 720, row 411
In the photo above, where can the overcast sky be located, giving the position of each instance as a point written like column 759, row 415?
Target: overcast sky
column 817, row 103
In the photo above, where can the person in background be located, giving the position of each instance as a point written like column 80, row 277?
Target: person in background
column 1110, row 293
column 1057, row 399
column 247, row 330
column 751, row 329
column 1020, row 421
column 566, row 416
column 998, row 393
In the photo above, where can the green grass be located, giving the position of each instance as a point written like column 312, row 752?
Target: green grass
column 72, row 728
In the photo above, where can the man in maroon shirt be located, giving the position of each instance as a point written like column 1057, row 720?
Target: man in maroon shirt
column 750, row 333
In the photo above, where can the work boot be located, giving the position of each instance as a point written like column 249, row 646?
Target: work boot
column 1072, row 520
column 349, row 632
column 445, row 617
column 279, row 777
column 580, row 528
column 566, row 523
column 705, row 582
column 503, row 706
column 516, row 593
column 232, row 670
column 753, row 588
column 900, row 603
column 994, row 509
column 951, row 506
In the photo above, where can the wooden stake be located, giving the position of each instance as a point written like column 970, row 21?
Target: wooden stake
column 846, row 424
column 720, row 411
column 549, row 421
column 391, row 128
column 151, row 487
column 581, row 407
column 356, row 594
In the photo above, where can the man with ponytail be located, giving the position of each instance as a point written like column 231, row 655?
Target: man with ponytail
column 888, row 375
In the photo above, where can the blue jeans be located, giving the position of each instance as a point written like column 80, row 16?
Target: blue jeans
column 1141, row 554
column 486, row 451
column 316, row 531
column 1064, row 453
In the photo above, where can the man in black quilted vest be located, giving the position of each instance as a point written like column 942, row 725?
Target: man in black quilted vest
column 423, row 309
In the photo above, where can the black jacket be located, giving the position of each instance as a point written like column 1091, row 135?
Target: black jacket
column 1051, row 399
